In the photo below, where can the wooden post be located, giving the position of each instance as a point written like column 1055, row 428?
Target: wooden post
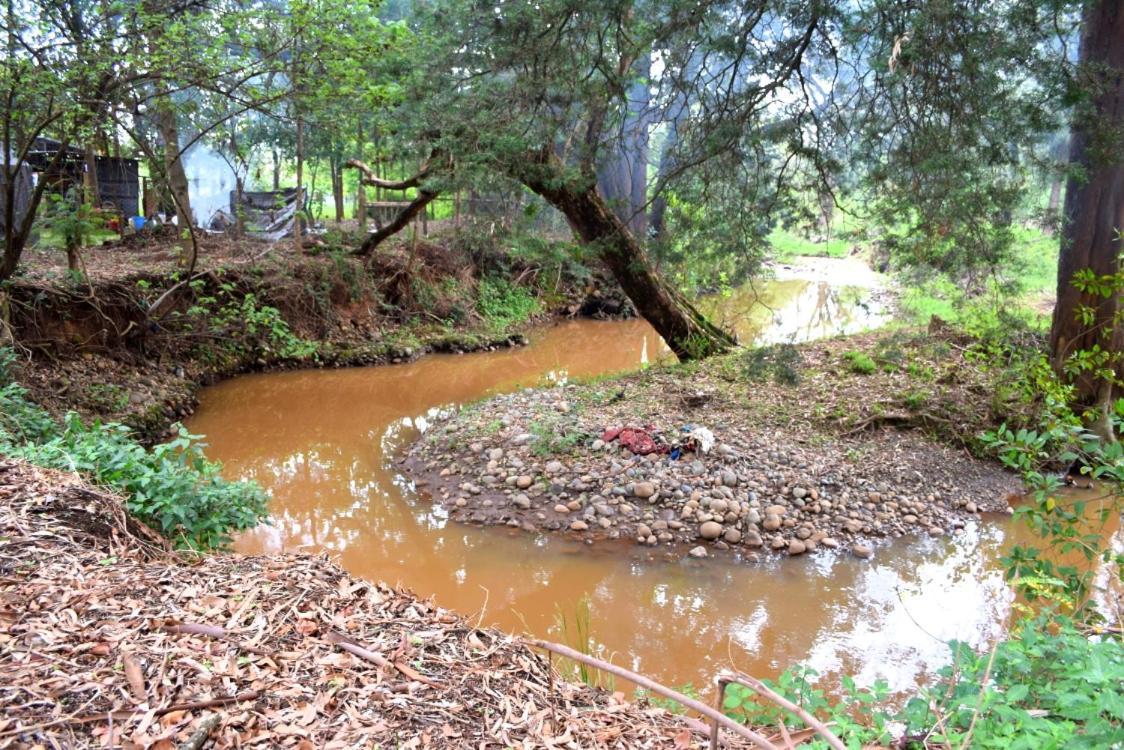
column 360, row 188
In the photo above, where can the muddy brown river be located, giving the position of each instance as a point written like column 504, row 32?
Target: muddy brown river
column 322, row 443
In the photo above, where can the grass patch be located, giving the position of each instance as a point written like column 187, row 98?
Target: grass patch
column 860, row 362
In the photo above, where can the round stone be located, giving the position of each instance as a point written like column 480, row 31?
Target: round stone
column 699, row 551
column 710, row 530
column 644, row 490
column 523, row 482
column 732, row 536
column 796, row 547
column 862, row 552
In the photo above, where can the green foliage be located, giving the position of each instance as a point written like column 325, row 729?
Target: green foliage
column 242, row 324
column 855, row 718
column 505, row 305
column 860, row 362
column 171, row 487
column 578, row 635
column 1049, row 686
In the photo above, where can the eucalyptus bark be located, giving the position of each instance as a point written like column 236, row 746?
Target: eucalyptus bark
column 1094, row 210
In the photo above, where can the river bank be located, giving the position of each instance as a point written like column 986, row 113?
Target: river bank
column 808, row 450
column 111, row 639
column 136, row 338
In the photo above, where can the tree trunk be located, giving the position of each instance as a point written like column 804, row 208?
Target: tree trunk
column 276, row 170
column 623, row 176
column 687, row 331
column 360, row 188
column 174, row 174
column 90, row 177
column 400, row 222
column 1094, row 210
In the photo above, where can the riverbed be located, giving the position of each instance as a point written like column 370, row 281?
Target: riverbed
column 323, row 442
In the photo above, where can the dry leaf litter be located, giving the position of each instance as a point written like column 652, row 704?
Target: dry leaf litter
column 110, row 639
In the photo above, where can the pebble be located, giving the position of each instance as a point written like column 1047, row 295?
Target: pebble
column 699, row 551
column 710, row 530
column 760, row 486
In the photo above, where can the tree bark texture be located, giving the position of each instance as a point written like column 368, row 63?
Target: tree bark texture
column 687, row 331
column 1094, row 202
column 174, row 175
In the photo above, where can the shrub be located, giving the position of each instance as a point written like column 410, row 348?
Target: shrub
column 503, row 304
column 171, row 487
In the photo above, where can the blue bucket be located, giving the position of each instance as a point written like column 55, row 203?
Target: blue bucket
column 138, row 223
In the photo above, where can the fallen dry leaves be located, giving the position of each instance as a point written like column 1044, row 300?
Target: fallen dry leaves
column 109, row 639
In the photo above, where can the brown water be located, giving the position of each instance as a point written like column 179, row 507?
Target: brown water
column 321, row 442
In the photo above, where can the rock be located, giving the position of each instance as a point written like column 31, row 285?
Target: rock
column 971, row 507
column 799, row 493
column 936, row 531
column 719, row 506
column 522, row 439
column 698, row 552
column 523, row 482
column 476, row 447
column 753, row 539
column 579, row 526
column 644, row 490
column 603, row 509
column 732, row 536
column 776, row 510
column 710, row 530
column 521, row 501
column 729, row 478
column 560, row 508
column 555, row 467
column 643, row 530
column 598, row 444
column 862, row 552
column 829, row 542
column 461, row 502
column 495, row 454
column 772, row 522
column 796, row 547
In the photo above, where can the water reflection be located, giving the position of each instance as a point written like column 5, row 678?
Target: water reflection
column 320, row 442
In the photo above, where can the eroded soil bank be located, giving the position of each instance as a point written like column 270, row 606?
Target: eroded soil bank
column 800, row 459
column 109, row 639
column 136, row 339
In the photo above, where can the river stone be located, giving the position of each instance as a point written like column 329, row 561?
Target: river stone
column 555, row 467
column 732, row 536
column 579, row 526
column 699, row 551
column 523, row 482
column 461, row 502
column 772, row 522
column 971, row 507
column 644, row 489
column 776, row 510
column 598, row 444
column 495, row 454
column 710, row 530
column 643, row 530
column 560, row 508
column 799, row 493
column 753, row 539
column 796, row 547
column 729, row 478
column 522, row 439
column 862, row 552
column 829, row 542
column 718, row 506
column 521, row 501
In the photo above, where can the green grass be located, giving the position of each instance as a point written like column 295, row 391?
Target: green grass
column 787, row 245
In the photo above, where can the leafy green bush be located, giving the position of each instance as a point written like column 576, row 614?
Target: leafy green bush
column 171, row 487
column 780, row 361
column 503, row 304
column 1050, row 686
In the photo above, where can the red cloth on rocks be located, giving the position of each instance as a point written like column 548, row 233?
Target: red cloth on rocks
column 636, row 440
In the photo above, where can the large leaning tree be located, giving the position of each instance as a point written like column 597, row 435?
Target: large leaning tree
column 559, row 95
